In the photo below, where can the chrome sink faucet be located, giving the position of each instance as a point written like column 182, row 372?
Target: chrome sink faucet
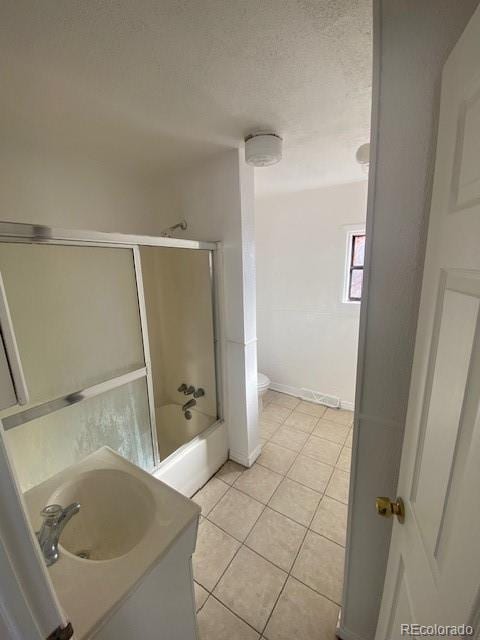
column 55, row 518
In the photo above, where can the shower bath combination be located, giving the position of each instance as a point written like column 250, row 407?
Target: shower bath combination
column 178, row 297
column 163, row 298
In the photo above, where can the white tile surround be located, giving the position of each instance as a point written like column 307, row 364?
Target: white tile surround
column 269, row 558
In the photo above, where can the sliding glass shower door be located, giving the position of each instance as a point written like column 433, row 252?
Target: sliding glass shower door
column 118, row 348
column 179, row 307
column 77, row 322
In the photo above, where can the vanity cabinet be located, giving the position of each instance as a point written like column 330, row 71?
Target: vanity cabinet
column 162, row 607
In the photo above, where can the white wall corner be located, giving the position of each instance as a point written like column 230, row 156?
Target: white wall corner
column 240, row 321
column 246, row 461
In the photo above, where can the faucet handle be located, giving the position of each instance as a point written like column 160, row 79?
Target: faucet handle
column 189, row 390
column 51, row 513
column 199, row 393
column 182, row 387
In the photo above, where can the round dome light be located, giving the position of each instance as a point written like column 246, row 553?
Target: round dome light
column 263, row 149
column 363, row 154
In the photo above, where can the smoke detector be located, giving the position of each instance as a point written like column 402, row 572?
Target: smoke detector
column 263, row 149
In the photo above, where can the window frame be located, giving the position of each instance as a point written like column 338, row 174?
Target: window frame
column 351, row 232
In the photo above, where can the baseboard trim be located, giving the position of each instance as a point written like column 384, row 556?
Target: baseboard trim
column 246, row 461
column 299, row 392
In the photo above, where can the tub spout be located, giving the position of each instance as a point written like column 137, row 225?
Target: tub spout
column 188, row 405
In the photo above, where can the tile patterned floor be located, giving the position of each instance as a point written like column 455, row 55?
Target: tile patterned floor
column 270, row 549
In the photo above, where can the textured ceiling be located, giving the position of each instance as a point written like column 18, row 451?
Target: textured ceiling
column 159, row 84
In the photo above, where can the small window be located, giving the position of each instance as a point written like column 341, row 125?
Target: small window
column 354, row 266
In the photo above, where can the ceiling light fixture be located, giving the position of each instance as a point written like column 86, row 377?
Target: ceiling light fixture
column 263, row 149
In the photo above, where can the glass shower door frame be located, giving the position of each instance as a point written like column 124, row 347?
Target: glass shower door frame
column 37, row 234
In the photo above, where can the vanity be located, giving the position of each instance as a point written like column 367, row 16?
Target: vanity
column 124, row 569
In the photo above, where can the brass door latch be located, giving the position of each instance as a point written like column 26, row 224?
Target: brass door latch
column 388, row 508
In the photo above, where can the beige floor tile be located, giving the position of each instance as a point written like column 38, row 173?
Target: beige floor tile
column 341, row 416
column 339, row 485
column 302, row 614
column 320, row 566
column 301, row 421
column 267, row 398
column 290, row 438
column 276, row 458
column 230, row 472
column 236, row 513
column 250, row 587
column 201, row 595
column 295, row 501
column 284, row 400
column 331, row 431
column 276, row 538
column 349, row 440
column 259, row 482
column 311, row 409
column 214, row 551
column 210, row 494
column 216, row 622
column 322, row 450
column 331, row 520
column 310, row 472
column 344, row 461
column 275, row 412
column 268, row 428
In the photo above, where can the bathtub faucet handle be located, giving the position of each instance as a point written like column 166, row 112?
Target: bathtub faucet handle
column 182, row 387
column 199, row 393
column 189, row 390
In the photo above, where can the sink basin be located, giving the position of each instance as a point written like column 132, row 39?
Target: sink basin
column 116, row 512
column 127, row 526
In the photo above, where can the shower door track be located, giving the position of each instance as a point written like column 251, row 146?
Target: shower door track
column 42, row 234
column 22, row 232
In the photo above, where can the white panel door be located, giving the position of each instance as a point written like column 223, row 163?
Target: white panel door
column 433, row 573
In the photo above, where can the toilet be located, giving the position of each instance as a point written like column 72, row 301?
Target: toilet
column 263, row 382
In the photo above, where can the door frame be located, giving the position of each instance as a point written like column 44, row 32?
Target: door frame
column 419, row 59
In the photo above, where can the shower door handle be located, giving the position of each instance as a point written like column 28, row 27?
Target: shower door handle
column 11, row 348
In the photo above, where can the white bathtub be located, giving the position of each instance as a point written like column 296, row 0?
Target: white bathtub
column 174, row 430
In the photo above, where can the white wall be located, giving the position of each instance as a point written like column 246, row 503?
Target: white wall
column 307, row 337
column 411, row 43
column 216, row 198
column 56, row 188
